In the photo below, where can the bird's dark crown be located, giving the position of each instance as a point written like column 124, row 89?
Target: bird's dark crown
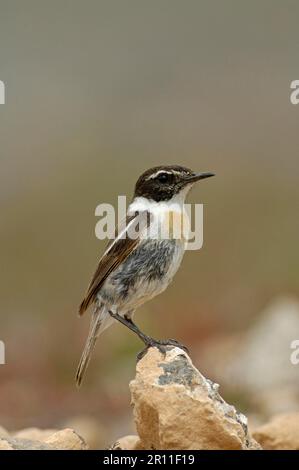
column 161, row 183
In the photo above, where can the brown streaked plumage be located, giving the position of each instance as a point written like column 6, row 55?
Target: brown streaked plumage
column 116, row 252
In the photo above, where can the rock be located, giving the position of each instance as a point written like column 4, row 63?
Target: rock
column 127, row 443
column 5, row 444
column 67, row 439
column 280, row 433
column 263, row 363
column 43, row 439
column 34, row 434
column 276, row 401
column 3, row 432
column 256, row 365
column 23, row 444
column 90, row 429
column 176, row 408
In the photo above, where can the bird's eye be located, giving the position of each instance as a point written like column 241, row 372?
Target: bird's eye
column 163, row 177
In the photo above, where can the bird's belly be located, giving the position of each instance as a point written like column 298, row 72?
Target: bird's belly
column 145, row 273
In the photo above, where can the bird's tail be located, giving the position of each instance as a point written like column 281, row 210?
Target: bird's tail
column 99, row 322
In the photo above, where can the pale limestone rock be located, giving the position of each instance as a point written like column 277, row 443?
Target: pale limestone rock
column 281, row 433
column 256, row 364
column 175, row 407
column 23, row 444
column 90, row 429
column 276, row 401
column 34, row 434
column 5, row 445
column 127, row 443
column 67, row 439
column 47, row 439
column 263, row 364
column 3, row 432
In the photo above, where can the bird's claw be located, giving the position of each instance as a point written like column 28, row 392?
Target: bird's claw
column 174, row 343
column 161, row 345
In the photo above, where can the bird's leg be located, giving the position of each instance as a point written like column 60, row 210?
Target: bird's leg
column 129, row 324
column 147, row 340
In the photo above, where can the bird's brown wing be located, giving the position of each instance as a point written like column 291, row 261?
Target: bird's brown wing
column 116, row 252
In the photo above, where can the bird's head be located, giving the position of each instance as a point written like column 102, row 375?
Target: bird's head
column 162, row 183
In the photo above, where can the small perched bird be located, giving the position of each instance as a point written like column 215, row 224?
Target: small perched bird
column 134, row 269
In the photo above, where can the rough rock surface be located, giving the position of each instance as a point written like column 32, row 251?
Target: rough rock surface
column 264, row 361
column 3, row 432
column 175, row 407
column 281, row 433
column 67, row 439
column 130, row 442
column 90, row 428
column 34, row 434
column 5, row 444
column 22, row 444
column 38, row 439
column 256, row 364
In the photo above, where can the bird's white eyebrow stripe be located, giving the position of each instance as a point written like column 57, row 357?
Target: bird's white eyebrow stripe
column 163, row 171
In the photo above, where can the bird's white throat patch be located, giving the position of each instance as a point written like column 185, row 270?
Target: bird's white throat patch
column 169, row 218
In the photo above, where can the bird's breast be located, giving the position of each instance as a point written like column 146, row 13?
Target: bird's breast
column 145, row 273
column 170, row 225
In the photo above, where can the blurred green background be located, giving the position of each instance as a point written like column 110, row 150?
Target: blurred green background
column 97, row 92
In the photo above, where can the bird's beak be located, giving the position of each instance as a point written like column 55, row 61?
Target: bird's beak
column 199, row 176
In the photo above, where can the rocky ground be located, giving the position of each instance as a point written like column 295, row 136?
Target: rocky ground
column 38, row 439
column 175, row 407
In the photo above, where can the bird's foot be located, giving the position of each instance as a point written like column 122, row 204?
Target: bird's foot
column 162, row 346
column 174, row 343
column 151, row 343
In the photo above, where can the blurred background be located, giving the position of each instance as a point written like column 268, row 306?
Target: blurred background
column 96, row 92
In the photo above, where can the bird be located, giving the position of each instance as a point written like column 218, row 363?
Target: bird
column 140, row 261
